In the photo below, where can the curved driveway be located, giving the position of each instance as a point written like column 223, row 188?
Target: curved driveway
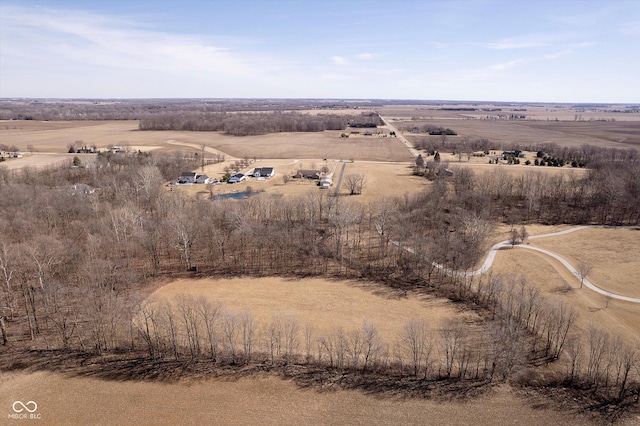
column 488, row 262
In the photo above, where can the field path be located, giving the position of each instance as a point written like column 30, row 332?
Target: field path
column 199, row 147
column 399, row 135
column 488, row 262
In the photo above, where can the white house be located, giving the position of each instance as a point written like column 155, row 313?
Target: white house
column 237, row 178
column 264, row 172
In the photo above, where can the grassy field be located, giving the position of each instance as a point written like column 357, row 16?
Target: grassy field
column 325, row 305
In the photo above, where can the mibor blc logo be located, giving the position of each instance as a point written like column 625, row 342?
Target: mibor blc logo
column 24, row 410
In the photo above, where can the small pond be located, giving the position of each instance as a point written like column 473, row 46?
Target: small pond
column 235, row 195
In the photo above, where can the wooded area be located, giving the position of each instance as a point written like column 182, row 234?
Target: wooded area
column 245, row 124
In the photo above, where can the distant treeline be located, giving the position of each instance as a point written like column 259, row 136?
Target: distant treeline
column 244, row 124
column 586, row 155
column 137, row 109
column 436, row 131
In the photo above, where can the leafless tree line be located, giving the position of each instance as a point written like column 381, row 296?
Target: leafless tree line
column 136, row 109
column 244, row 124
column 196, row 328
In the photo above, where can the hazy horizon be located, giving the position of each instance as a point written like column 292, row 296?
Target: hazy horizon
column 472, row 51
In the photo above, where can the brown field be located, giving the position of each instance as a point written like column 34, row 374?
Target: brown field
column 601, row 127
column 619, row 134
column 325, row 305
column 539, row 112
column 267, row 400
column 56, row 136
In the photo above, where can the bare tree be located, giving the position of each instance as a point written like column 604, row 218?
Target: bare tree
column 291, row 329
column 416, row 343
column 514, row 238
column 598, row 350
column 355, row 183
column 356, row 346
column 3, row 329
column 187, row 307
column 248, row 328
column 231, row 330
column 524, row 235
column 626, row 357
column 584, row 269
column 144, row 319
column 274, row 337
column 184, row 222
column 308, row 341
column 372, row 344
column 210, row 314
column 452, row 335
column 574, row 350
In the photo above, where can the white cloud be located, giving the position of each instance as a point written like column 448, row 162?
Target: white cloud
column 84, row 44
column 366, row 56
column 505, row 65
column 339, row 60
column 514, row 44
column 558, row 54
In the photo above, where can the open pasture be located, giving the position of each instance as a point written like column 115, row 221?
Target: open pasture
column 322, row 304
column 56, row 137
column 564, row 125
column 536, row 112
column 267, row 400
column 619, row 134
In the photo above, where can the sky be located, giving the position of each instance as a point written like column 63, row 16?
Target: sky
column 585, row 51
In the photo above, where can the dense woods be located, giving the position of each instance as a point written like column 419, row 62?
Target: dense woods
column 72, row 265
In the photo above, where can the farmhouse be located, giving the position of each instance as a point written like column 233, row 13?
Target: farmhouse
column 191, row 178
column 264, row 172
column 308, row 174
column 204, row 179
column 187, row 178
column 237, row 178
